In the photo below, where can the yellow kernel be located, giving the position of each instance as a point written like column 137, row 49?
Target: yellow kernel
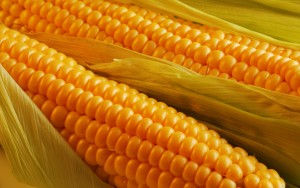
column 182, row 30
column 118, row 12
column 265, row 183
column 287, row 66
column 182, row 45
column 7, row 45
column 131, row 125
column 177, row 182
column 227, row 63
column 193, row 34
column 164, row 38
column 273, row 81
column 142, row 172
column 261, row 78
column 165, row 180
column 139, row 42
column 126, row 16
column 217, row 34
column 187, row 146
column 71, row 120
column 91, row 131
column 34, row 80
column 112, row 138
column 133, row 147
column 102, row 155
column 177, row 165
column 120, row 164
column 84, row 12
column 60, row 17
column 227, row 183
column 111, row 9
column 65, row 134
column 101, row 135
column 214, row 180
column 291, row 72
column 75, row 26
column 190, row 170
column 54, row 88
column 45, row 83
column 224, row 75
column 144, row 150
column 131, row 36
column 153, row 177
column 202, row 175
column 199, row 152
column 120, row 32
column 202, row 38
column 73, row 141
column 150, row 29
column 164, row 136
column 295, row 81
column 149, row 48
column 109, row 165
column 234, row 173
column 24, row 78
column 15, row 10
column 214, row 58
column 168, row 56
column 166, row 22
column 67, row 23
column 238, row 51
column 155, row 155
column 272, row 63
column 166, row 160
column 131, row 169
column 202, row 54
column 250, row 75
column 245, row 56
column 191, row 49
column 157, row 34
column 47, row 108
column 223, row 44
column 211, row 158
column 212, row 43
column 58, row 116
column 175, row 42
column 90, row 155
column 135, row 21
column 223, row 163
column 263, row 60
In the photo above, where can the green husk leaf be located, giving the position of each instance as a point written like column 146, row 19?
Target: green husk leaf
column 274, row 21
column 37, row 152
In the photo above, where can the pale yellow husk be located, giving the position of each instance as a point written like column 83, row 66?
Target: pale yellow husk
column 38, row 154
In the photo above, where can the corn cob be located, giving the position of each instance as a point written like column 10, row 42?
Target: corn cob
column 128, row 139
column 203, row 49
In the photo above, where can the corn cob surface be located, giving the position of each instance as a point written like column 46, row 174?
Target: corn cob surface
column 127, row 138
column 203, row 49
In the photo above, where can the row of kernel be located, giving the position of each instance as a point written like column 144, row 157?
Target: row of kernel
column 54, row 94
column 285, row 84
column 202, row 69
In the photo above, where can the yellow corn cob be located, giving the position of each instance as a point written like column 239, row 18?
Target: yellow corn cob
column 128, row 139
column 203, row 49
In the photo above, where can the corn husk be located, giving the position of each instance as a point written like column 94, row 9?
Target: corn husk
column 38, row 154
